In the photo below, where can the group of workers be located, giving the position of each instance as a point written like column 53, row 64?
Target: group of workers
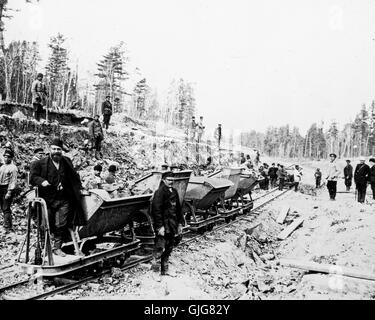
column 363, row 175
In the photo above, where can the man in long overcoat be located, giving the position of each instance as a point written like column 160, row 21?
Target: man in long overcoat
column 60, row 186
column 348, row 175
column 168, row 221
column 361, row 176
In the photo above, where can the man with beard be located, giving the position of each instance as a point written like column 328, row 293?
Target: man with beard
column 348, row 175
column 361, row 176
column 8, row 181
column 168, row 220
column 60, row 186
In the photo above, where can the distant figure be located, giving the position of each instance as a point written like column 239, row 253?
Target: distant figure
column 257, row 158
column 263, row 184
column 361, row 176
column 168, row 221
column 39, row 96
column 348, row 175
column 106, row 111
column 318, row 178
column 111, row 175
column 164, row 167
column 218, row 134
column 297, row 175
column 332, row 176
column 200, row 129
column 8, row 182
column 372, row 176
column 96, row 135
column 272, row 172
column 281, row 174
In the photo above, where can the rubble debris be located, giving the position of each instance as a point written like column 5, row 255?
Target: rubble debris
column 282, row 215
column 288, row 230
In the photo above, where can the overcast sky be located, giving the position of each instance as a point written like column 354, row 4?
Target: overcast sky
column 254, row 63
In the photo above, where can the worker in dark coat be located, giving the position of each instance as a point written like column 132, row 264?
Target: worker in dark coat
column 168, row 221
column 348, row 175
column 106, row 111
column 372, row 176
column 96, row 135
column 60, row 186
column 318, row 177
column 272, row 172
column 361, row 177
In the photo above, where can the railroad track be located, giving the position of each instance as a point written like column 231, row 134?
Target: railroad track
column 134, row 260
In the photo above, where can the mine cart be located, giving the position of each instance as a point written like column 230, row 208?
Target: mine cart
column 227, row 210
column 101, row 241
column 202, row 199
column 248, row 181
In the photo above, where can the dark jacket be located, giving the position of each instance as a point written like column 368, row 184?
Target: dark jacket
column 166, row 210
column 372, row 175
column 107, row 108
column 272, row 172
column 361, row 174
column 44, row 170
column 95, row 129
column 348, row 172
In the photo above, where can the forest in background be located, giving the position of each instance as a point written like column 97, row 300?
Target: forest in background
column 132, row 94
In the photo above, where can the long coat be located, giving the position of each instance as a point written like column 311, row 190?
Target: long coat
column 361, row 174
column 348, row 171
column 372, row 175
column 95, row 129
column 71, row 182
column 163, row 213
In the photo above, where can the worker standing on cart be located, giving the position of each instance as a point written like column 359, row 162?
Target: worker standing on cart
column 168, row 220
column 60, row 186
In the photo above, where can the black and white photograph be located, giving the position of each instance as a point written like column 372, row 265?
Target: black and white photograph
column 187, row 151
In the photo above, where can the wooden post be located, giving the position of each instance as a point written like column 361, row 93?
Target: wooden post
column 288, row 230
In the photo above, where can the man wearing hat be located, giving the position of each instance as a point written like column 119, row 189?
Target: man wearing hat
column 39, row 95
column 106, row 111
column 361, row 176
column 168, row 221
column 8, row 181
column 372, row 176
column 348, row 175
column 97, row 136
column 60, row 186
column 332, row 176
column 38, row 154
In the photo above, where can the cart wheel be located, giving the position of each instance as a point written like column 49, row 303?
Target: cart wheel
column 234, row 217
column 210, row 227
column 227, row 219
column 202, row 229
column 188, row 210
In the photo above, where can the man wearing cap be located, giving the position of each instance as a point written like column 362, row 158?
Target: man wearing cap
column 38, row 154
column 106, row 111
column 272, row 172
column 348, row 175
column 361, row 176
column 372, row 176
column 8, row 181
column 97, row 136
column 168, row 221
column 39, row 95
column 60, row 186
column 94, row 181
column 332, row 176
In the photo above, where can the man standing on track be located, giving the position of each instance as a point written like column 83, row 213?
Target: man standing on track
column 168, row 221
column 372, row 176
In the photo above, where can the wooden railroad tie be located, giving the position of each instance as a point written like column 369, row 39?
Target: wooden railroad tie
column 289, row 229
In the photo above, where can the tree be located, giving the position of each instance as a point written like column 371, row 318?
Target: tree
column 57, row 70
column 4, row 54
column 111, row 74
